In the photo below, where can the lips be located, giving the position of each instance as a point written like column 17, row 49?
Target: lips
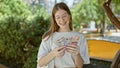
column 63, row 23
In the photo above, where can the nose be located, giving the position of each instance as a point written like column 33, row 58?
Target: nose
column 61, row 19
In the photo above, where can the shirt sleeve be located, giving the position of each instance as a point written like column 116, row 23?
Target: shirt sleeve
column 84, row 50
column 43, row 49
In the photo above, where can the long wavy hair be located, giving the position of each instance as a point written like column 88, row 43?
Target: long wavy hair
column 53, row 26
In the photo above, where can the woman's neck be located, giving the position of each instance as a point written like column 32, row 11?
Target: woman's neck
column 64, row 30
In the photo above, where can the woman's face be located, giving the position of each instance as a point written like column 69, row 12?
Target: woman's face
column 62, row 19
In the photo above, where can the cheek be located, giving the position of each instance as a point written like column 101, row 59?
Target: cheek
column 57, row 22
column 69, row 18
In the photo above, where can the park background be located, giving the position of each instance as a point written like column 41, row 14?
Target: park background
column 22, row 23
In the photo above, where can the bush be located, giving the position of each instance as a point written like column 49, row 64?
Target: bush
column 20, row 39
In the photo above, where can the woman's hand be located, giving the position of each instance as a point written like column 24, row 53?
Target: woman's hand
column 59, row 51
column 73, row 49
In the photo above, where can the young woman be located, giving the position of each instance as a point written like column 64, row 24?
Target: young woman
column 61, row 47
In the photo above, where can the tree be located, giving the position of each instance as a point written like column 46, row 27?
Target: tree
column 85, row 11
column 20, row 33
column 110, row 14
column 13, row 7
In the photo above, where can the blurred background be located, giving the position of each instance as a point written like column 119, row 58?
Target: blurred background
column 22, row 23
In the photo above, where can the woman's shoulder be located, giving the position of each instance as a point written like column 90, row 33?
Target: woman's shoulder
column 46, row 39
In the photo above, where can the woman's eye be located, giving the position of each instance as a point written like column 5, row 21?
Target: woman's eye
column 57, row 17
column 64, row 16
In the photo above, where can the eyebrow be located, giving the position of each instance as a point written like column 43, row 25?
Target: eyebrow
column 62, row 14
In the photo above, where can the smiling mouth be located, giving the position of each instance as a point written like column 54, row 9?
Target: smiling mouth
column 63, row 23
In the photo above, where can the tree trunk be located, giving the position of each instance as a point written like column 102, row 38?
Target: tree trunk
column 110, row 14
column 102, row 28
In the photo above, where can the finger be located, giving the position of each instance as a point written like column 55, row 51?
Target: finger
column 60, row 48
column 70, row 48
column 74, row 43
column 77, row 47
column 61, row 52
column 71, row 51
column 71, row 45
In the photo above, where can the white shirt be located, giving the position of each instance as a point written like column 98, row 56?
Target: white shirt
column 63, row 39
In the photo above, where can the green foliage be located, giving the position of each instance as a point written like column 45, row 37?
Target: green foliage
column 31, row 58
column 14, row 7
column 21, row 42
column 87, row 10
column 20, row 32
column 116, row 5
column 34, row 29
